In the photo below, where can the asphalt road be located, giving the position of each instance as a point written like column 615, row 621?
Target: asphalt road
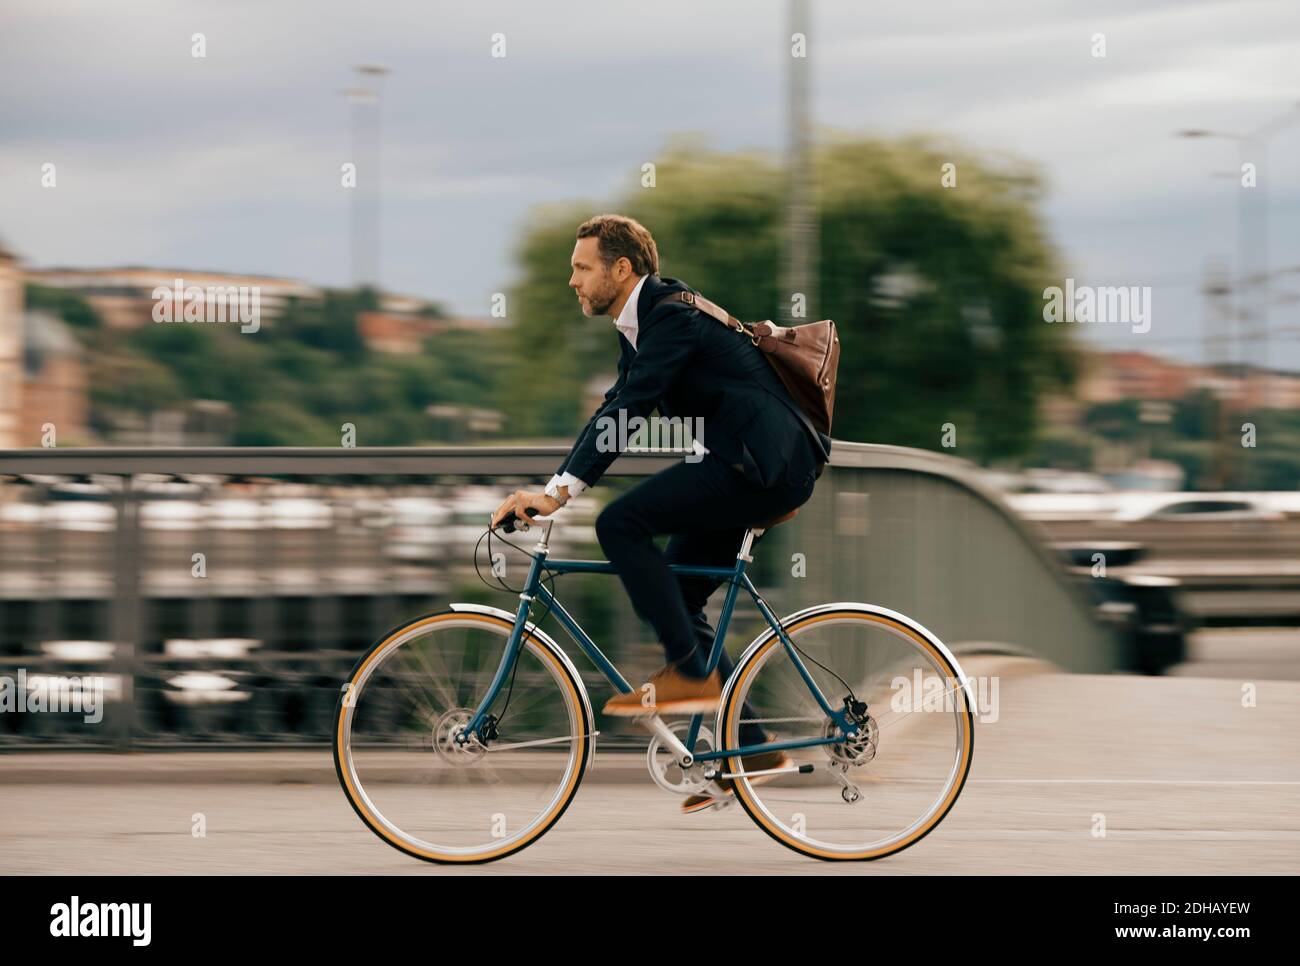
column 1184, row 778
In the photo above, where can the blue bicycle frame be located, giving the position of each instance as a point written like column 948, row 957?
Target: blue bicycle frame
column 736, row 578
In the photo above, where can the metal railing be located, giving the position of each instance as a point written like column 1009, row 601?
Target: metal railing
column 220, row 595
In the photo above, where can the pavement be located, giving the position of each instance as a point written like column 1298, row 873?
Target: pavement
column 1073, row 774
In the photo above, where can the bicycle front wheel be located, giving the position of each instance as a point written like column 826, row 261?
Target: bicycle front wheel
column 408, row 779
column 872, row 793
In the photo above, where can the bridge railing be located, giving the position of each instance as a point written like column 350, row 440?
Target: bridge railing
column 217, row 597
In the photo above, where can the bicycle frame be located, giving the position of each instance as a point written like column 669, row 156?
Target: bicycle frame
column 736, row 578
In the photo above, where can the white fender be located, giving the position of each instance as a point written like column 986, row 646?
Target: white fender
column 541, row 635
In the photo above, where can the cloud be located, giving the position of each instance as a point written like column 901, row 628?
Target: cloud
column 233, row 160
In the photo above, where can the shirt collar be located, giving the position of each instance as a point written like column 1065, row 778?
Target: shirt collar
column 627, row 321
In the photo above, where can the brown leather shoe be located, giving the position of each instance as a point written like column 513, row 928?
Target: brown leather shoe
column 755, row 762
column 673, row 693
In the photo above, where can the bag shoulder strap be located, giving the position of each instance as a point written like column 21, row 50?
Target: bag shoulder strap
column 730, row 321
column 698, row 301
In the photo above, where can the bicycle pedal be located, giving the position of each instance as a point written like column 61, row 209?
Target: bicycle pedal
column 722, row 800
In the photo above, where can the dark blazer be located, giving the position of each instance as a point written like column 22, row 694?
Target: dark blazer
column 687, row 364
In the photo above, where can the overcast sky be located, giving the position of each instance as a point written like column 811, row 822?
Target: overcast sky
column 231, row 162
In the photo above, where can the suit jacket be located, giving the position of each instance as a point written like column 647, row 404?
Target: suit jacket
column 687, row 364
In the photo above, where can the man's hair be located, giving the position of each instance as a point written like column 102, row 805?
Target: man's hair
column 621, row 237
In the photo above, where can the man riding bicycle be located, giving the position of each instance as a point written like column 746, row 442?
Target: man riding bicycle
column 759, row 463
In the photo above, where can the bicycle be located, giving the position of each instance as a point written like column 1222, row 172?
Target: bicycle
column 433, row 771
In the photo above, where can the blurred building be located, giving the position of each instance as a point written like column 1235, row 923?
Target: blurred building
column 124, row 297
column 1112, row 376
column 11, row 348
column 1271, row 389
column 1115, row 376
column 54, row 381
column 398, row 331
column 42, row 376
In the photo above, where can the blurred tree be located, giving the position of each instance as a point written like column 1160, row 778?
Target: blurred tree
column 328, row 323
column 274, row 422
column 1273, row 463
column 301, row 377
column 1063, row 447
column 937, row 292
column 1194, row 457
column 130, row 383
column 1194, row 415
column 69, row 306
column 1116, row 421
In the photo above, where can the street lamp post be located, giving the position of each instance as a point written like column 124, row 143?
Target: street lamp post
column 802, row 229
column 1252, row 235
column 367, row 195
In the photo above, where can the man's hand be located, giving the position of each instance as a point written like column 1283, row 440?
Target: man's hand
column 519, row 502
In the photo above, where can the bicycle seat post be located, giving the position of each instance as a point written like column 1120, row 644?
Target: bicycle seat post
column 747, row 543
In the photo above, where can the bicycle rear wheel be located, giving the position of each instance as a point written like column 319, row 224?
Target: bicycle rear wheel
column 881, row 790
column 413, row 785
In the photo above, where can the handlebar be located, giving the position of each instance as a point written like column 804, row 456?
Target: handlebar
column 509, row 520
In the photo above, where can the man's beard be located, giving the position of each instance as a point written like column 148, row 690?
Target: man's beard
column 602, row 300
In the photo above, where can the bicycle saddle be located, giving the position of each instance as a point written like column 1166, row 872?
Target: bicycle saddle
column 773, row 522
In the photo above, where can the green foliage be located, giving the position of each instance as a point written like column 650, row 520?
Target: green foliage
column 69, row 306
column 300, row 377
column 1274, row 461
column 132, row 382
column 1194, row 456
column 1063, row 447
column 1116, row 421
column 1191, row 439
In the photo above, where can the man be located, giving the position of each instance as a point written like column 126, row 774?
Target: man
column 759, row 463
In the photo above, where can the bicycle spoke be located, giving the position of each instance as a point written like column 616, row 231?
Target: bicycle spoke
column 438, row 679
column 416, row 696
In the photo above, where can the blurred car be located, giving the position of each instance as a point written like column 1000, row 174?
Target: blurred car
column 1143, row 609
column 1196, row 506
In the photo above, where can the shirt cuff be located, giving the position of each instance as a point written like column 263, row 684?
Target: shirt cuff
column 575, row 484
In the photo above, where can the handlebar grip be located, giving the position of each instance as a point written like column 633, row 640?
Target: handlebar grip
column 509, row 520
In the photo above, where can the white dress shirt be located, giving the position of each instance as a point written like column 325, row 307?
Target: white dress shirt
column 628, row 324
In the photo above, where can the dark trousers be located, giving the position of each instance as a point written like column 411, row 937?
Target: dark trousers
column 705, row 506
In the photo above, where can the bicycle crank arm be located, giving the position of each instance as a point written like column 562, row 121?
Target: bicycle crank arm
column 511, row 746
column 789, row 769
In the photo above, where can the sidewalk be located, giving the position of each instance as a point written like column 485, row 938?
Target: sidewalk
column 316, row 766
column 313, row 767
